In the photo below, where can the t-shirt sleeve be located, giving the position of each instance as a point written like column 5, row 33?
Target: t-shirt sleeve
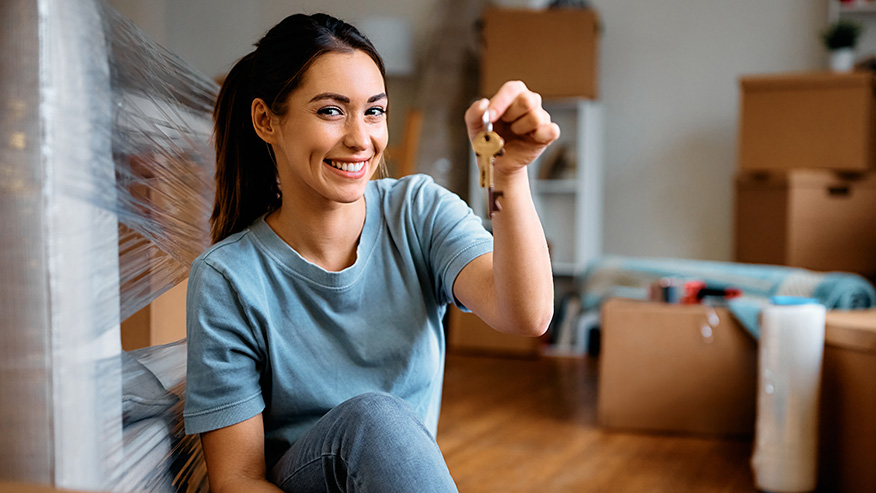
column 453, row 235
column 224, row 356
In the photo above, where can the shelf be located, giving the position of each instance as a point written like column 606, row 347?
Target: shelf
column 838, row 10
column 868, row 7
column 570, row 207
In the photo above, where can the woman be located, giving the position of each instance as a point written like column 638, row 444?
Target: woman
column 314, row 322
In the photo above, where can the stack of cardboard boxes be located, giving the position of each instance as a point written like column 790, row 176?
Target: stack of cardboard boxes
column 806, row 197
column 806, row 191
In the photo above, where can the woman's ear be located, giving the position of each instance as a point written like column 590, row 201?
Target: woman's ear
column 263, row 121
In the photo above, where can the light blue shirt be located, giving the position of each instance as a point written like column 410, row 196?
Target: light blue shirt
column 270, row 332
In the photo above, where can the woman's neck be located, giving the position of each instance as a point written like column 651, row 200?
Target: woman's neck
column 325, row 236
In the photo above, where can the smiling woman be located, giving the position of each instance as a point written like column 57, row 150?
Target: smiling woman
column 315, row 337
column 332, row 136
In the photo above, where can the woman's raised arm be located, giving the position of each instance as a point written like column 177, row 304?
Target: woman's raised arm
column 512, row 288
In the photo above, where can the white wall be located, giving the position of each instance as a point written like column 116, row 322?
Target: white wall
column 213, row 34
column 669, row 83
column 150, row 16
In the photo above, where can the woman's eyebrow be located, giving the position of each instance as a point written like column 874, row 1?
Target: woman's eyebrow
column 377, row 97
column 330, row 95
column 344, row 99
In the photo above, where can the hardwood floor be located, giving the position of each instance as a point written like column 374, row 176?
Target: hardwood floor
column 529, row 425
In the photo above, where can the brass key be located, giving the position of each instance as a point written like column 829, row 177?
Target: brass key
column 487, row 145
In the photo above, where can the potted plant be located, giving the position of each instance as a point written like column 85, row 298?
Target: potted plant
column 840, row 39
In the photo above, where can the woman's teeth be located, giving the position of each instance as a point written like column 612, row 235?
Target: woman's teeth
column 351, row 167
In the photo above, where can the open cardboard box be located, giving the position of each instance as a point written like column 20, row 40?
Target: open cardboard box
column 675, row 368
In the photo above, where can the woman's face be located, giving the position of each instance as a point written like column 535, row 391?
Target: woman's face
column 331, row 139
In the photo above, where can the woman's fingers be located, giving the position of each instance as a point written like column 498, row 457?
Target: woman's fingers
column 507, row 95
column 545, row 134
column 519, row 118
column 521, row 110
column 523, row 105
column 529, row 121
column 474, row 117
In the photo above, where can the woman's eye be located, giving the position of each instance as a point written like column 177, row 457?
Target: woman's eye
column 375, row 111
column 330, row 111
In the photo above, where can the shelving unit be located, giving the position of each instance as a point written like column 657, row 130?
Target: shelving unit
column 863, row 7
column 862, row 12
column 570, row 207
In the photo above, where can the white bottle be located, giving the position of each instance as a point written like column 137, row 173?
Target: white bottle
column 790, row 355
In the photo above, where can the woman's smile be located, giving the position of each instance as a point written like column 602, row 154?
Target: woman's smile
column 351, row 169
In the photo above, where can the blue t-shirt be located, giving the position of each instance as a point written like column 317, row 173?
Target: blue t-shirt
column 269, row 331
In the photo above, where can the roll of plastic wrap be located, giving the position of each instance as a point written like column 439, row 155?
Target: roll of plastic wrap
column 789, row 383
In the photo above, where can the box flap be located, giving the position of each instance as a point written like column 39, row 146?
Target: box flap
column 805, row 178
column 851, row 329
column 806, row 80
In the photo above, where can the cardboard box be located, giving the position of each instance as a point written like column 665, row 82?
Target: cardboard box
column 807, row 218
column 817, row 120
column 16, row 487
column 847, row 434
column 676, row 368
column 161, row 322
column 468, row 333
column 554, row 52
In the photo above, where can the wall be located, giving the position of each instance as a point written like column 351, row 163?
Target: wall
column 669, row 84
column 670, row 87
column 212, row 34
column 150, row 16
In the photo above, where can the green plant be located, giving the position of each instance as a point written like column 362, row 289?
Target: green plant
column 841, row 34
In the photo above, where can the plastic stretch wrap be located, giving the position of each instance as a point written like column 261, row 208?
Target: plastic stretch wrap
column 106, row 172
column 790, row 356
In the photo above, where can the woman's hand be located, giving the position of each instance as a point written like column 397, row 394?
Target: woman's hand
column 511, row 289
column 518, row 117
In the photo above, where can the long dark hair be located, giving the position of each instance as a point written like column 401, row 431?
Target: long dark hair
column 246, row 172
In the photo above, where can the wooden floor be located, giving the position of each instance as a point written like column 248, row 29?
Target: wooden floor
column 529, row 425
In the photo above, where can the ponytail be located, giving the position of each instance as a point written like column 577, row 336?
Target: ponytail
column 246, row 173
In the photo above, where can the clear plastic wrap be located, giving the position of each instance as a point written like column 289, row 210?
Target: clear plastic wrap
column 164, row 162
column 106, row 169
column 790, row 356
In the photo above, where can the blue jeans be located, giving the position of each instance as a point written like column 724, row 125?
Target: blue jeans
column 374, row 442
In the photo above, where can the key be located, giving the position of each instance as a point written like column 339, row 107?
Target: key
column 487, row 145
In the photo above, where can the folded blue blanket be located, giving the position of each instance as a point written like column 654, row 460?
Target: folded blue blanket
column 632, row 277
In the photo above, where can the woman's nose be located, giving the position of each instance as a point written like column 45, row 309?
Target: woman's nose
column 356, row 135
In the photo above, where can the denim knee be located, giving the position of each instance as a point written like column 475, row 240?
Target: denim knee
column 374, row 442
column 378, row 414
